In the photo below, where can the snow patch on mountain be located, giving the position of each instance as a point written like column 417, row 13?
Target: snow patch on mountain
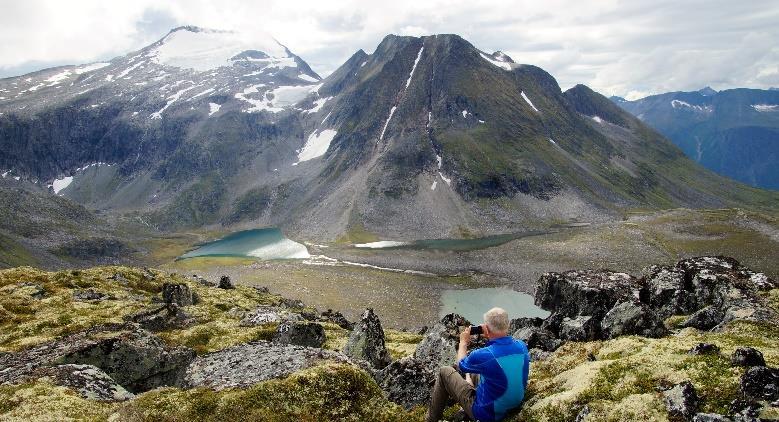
column 213, row 108
column 683, row 104
column 597, row 119
column 414, row 67
column 317, row 105
column 205, row 49
column 62, row 183
column 501, row 64
column 527, row 100
column 90, row 67
column 763, row 108
column 316, row 145
column 384, row 129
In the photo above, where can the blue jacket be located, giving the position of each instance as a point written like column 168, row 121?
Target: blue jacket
column 503, row 366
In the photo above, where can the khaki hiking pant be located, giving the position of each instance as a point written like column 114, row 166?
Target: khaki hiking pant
column 450, row 384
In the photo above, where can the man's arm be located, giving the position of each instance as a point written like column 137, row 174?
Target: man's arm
column 465, row 340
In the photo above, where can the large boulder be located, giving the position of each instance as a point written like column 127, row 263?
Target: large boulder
column 178, row 293
column 681, row 401
column 761, row 383
column 225, row 283
column 308, row 334
column 705, row 318
column 336, row 318
column 747, row 357
column 667, row 293
column 588, row 292
column 166, row 317
column 135, row 358
column 367, row 341
column 89, row 381
column 630, row 318
column 407, row 382
column 538, row 338
column 246, row 364
column 439, row 345
column 581, row 328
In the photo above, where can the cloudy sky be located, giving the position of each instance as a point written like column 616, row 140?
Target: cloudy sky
column 628, row 48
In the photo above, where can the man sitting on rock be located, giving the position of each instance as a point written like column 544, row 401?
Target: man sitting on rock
column 502, row 367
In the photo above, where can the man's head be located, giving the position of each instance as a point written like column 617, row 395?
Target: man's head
column 496, row 323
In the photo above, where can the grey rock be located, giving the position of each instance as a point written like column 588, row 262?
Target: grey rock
column 336, row 318
column 437, row 348
column 308, row 334
column 538, row 338
column 745, row 410
column 524, row 322
column 667, row 293
column 407, row 382
column 761, row 383
column 178, row 293
column 537, row 354
column 249, row 363
column 132, row 356
column 367, row 341
column 710, row 417
column 202, row 281
column 89, row 381
column 630, row 318
column 581, row 328
column 704, row 349
column 89, row 295
column 705, row 318
column 583, row 414
column 119, row 278
column 747, row 356
column 681, row 400
column 166, row 317
column 225, row 283
column 588, row 292
column 267, row 315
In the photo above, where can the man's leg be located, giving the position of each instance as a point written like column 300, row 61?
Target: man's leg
column 449, row 383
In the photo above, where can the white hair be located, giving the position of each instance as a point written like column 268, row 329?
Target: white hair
column 497, row 319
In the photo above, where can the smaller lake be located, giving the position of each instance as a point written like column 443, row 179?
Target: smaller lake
column 451, row 244
column 267, row 243
column 473, row 303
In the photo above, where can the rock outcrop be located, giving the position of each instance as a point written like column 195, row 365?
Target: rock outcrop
column 268, row 314
column 178, row 293
column 89, row 381
column 133, row 357
column 166, row 317
column 761, row 383
column 681, row 401
column 308, row 334
column 407, row 382
column 367, row 341
column 747, row 357
column 225, row 283
column 601, row 304
column 249, row 363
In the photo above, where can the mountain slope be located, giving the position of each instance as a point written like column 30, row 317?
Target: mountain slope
column 425, row 137
column 734, row 132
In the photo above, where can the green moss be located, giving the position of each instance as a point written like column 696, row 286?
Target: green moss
column 328, row 392
column 356, row 233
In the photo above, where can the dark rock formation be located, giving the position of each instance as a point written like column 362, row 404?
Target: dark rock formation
column 747, row 356
column 178, row 293
column 538, row 338
column 225, row 283
column 743, row 410
column 704, row 349
column 167, row 317
column 632, row 318
column 666, row 292
column 407, row 382
column 439, row 345
column 581, row 328
column 89, row 381
column 308, row 334
column 524, row 322
column 367, row 341
column 705, row 318
column 681, row 401
column 588, row 292
column 761, row 383
column 132, row 356
column 336, row 318
column 249, row 363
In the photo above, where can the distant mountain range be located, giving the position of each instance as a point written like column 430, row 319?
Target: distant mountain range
column 733, row 132
column 425, row 137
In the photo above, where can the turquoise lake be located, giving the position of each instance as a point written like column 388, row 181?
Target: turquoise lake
column 267, row 243
column 473, row 303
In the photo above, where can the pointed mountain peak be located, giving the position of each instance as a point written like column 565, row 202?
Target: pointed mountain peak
column 707, row 91
column 501, row 57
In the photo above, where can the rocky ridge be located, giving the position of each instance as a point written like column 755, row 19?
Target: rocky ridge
column 601, row 337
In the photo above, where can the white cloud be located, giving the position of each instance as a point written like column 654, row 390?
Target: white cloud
column 615, row 47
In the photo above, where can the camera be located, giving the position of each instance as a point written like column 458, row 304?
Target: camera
column 476, row 330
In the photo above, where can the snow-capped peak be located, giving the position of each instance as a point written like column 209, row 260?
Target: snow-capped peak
column 206, row 49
